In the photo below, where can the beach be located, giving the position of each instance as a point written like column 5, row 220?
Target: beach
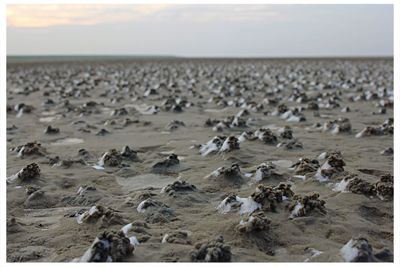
column 198, row 132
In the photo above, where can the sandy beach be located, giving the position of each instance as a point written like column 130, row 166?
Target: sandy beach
column 242, row 160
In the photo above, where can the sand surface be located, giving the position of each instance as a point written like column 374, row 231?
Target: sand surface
column 45, row 227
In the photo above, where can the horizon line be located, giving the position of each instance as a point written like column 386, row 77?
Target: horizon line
column 165, row 56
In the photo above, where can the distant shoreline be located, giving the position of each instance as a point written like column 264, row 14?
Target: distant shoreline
column 15, row 59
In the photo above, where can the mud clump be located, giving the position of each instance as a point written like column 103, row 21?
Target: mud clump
column 212, row 251
column 254, row 223
column 305, row 165
column 26, row 174
column 109, row 247
column 304, row 205
column 387, row 152
column 129, row 154
column 384, row 187
column 106, row 216
column 39, row 200
column 30, row 149
column 51, row 130
column 31, row 189
column 340, row 125
column 359, row 250
column 332, row 166
column 68, row 163
column 112, row 158
column 291, row 145
column 266, row 136
column 177, row 237
column 212, row 146
column 385, row 128
column 265, row 171
column 174, row 125
column 231, row 175
column 177, row 187
column 359, row 186
column 287, row 133
column 230, row 143
column 13, row 226
column 103, row 132
column 165, row 165
column 85, row 196
column 269, row 196
column 156, row 211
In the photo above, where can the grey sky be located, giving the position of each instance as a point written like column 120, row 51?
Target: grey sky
column 202, row 30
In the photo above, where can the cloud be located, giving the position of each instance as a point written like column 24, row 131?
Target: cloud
column 34, row 16
column 51, row 15
column 202, row 13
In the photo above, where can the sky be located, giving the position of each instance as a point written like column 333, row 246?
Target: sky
column 201, row 30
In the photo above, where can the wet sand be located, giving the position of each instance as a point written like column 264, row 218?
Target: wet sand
column 86, row 97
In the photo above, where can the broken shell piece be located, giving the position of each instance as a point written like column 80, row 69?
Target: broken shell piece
column 246, row 205
column 226, row 204
column 293, row 116
column 304, row 205
column 212, row 146
column 357, row 250
column 137, row 227
column 342, row 186
column 253, row 223
column 312, row 252
column 212, row 251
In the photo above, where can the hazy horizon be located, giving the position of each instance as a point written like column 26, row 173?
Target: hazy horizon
column 201, row 31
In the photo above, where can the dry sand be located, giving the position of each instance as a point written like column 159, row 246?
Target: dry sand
column 43, row 226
